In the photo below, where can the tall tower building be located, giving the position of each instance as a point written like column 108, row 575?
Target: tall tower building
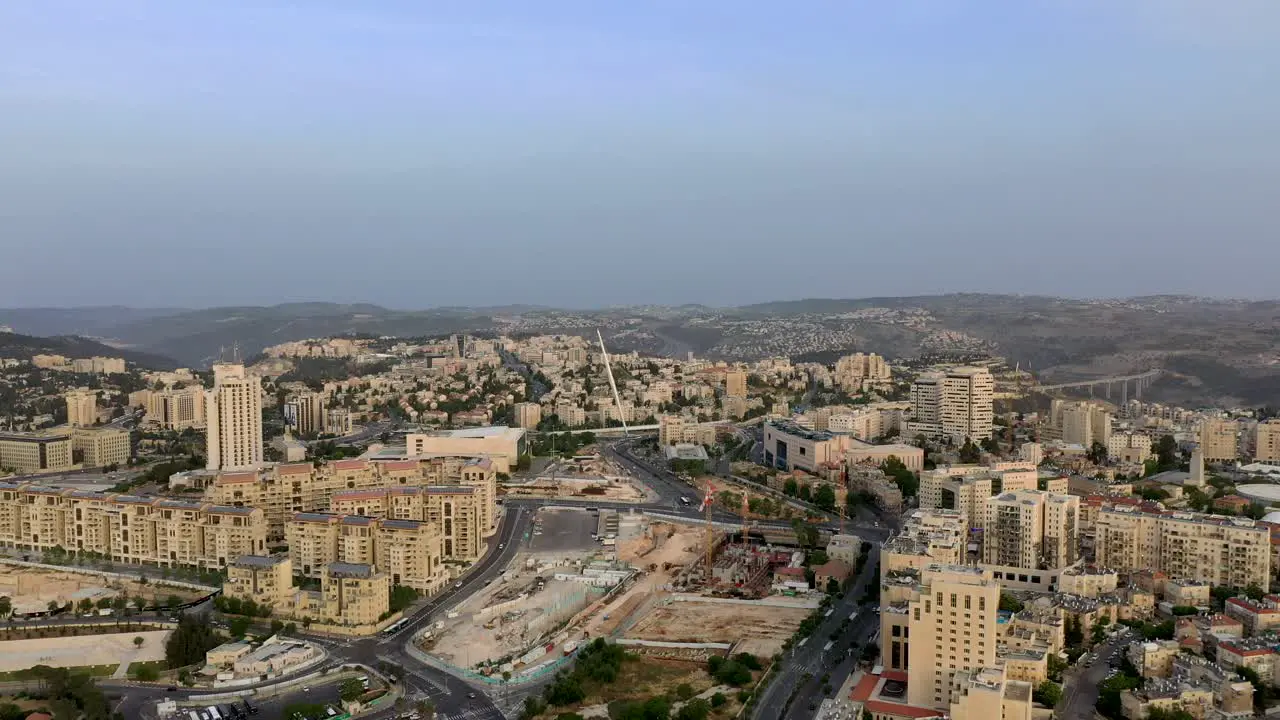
column 82, row 408
column 967, row 409
column 1266, row 446
column 234, row 418
column 308, row 413
column 952, row 624
column 926, row 398
column 1218, row 440
column 735, row 383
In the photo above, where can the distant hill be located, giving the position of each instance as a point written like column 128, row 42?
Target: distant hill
column 15, row 345
column 84, row 321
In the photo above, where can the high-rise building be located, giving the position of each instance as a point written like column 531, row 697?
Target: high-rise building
column 1218, row 440
column 528, row 415
column 952, row 624
column 82, row 408
column 1235, row 552
column 234, row 418
column 1084, row 423
column 305, row 413
column 735, row 383
column 175, row 409
column 1267, row 441
column 1031, row 529
column 957, row 404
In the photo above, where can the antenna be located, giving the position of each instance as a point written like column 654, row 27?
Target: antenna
column 608, row 369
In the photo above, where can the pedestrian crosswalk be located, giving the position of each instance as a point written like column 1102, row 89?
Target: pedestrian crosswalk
column 489, row 713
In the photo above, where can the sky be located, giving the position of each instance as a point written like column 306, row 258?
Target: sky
column 584, row 153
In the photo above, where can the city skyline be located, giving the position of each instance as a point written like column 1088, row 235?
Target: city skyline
column 581, row 155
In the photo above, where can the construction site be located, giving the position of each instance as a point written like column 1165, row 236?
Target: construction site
column 584, row 477
column 31, row 590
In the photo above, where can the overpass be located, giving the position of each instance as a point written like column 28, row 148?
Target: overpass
column 1139, row 380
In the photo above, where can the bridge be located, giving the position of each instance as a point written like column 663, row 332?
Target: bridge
column 1140, row 381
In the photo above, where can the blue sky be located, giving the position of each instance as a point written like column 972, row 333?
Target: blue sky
column 586, row 153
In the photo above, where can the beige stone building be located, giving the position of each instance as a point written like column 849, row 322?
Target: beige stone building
column 100, row 447
column 967, row 488
column 409, row 551
column 129, row 529
column 503, row 445
column 957, row 404
column 233, row 419
column 1031, row 529
column 82, row 408
column 528, row 415
column 175, row 409
column 350, row 595
column 307, row 414
column 281, row 490
column 1208, row 548
column 34, row 453
column 735, row 384
column 1219, row 440
column 266, row 580
column 354, row 594
column 677, row 430
column 1084, row 423
column 1266, row 441
column 455, row 510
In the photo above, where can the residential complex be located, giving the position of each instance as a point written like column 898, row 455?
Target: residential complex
column 956, row 404
column 350, row 595
column 1266, row 441
column 129, row 529
column 1219, row 440
column 410, row 551
column 82, row 408
column 175, row 409
column 305, row 414
column 1235, row 552
column 233, row 419
column 1031, row 529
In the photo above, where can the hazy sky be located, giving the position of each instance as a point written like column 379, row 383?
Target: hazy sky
column 593, row 152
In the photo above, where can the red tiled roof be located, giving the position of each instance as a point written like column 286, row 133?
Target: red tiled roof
column 239, row 477
column 399, row 465
column 888, row 708
column 862, row 691
column 349, row 465
column 294, row 469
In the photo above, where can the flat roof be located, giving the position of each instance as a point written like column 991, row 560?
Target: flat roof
column 343, row 569
column 260, row 560
column 476, row 432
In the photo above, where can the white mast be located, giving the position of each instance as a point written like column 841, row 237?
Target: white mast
column 608, row 369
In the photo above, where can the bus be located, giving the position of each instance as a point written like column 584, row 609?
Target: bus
column 394, row 627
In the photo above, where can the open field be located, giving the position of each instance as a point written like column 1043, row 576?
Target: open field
column 32, row 589
column 112, row 650
column 642, row 678
column 759, row 630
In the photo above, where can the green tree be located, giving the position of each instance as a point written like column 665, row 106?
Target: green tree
column 825, row 497
column 1166, row 451
column 189, row 642
column 350, row 690
column 697, row 709
column 138, row 641
column 970, row 453
column 790, row 487
column 6, row 606
column 1048, row 694
column 146, row 673
column 1010, row 603
column 1097, row 453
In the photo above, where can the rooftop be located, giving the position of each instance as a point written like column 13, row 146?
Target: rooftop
column 351, row 570
column 260, row 560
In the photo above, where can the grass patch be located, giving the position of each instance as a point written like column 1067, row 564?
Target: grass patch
column 640, row 678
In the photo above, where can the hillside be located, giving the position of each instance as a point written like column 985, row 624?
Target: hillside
column 14, row 345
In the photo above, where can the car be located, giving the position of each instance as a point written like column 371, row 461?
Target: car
column 306, row 689
column 471, row 696
column 458, row 584
column 171, row 688
column 502, row 546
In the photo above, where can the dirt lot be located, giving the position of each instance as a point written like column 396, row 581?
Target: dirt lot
column 761, row 630
column 644, row 677
column 31, row 589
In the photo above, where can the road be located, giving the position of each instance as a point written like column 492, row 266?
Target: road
column 1081, row 684
column 450, row 693
column 811, row 659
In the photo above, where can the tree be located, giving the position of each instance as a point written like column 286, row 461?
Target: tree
column 238, row 626
column 1010, row 603
column 188, row 643
column 906, row 480
column 970, row 453
column 1048, row 694
column 1073, row 634
column 1097, row 453
column 172, row 601
column 85, row 606
column 825, row 497
column 790, row 487
column 697, row 709
column 351, row 689
column 6, row 606
column 1166, row 451
column 138, row 641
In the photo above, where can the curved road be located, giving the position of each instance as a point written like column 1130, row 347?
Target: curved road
column 448, row 692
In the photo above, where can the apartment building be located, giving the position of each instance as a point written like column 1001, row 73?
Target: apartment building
column 264, row 579
column 350, row 594
column 34, row 453
column 288, row 488
column 858, row 372
column 1205, row 548
column 1266, row 441
column 735, row 384
column 338, row 422
column 528, row 415
column 233, row 417
column 1031, row 529
column 957, row 404
column 928, row 537
column 502, row 444
column 409, row 551
column 127, row 528
column 100, row 447
column 454, row 509
column 967, row 488
column 1219, row 440
column 1129, row 447
column 82, row 408
column 305, row 413
column 1083, row 423
column 175, row 409
column 679, row 430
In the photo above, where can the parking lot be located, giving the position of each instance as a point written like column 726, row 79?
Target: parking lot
column 562, row 531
